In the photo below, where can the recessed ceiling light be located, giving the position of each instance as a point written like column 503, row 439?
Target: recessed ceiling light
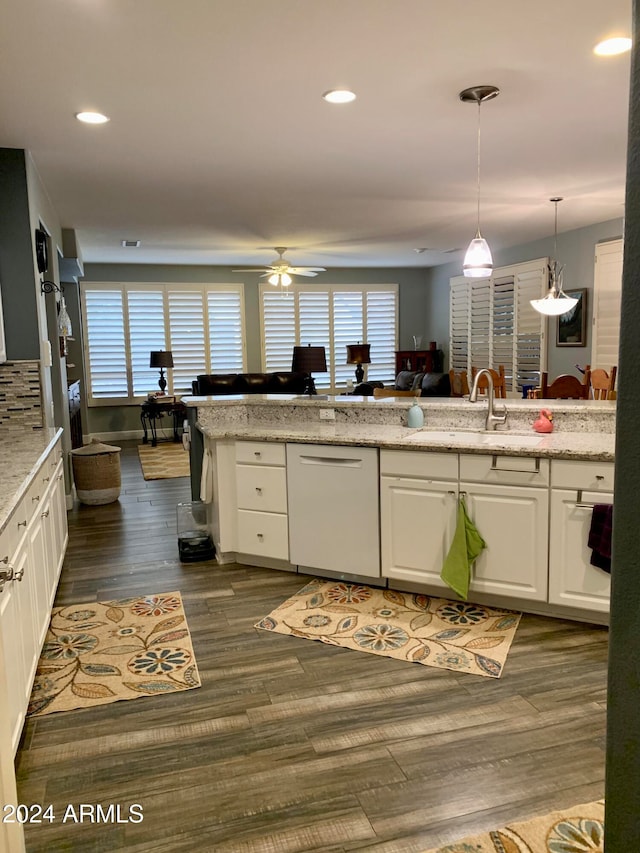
column 339, row 96
column 130, row 244
column 92, row 118
column 612, row 47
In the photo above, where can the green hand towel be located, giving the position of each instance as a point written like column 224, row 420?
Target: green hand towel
column 466, row 546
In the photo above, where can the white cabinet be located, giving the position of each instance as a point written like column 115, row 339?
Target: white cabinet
column 261, row 494
column 576, row 487
column 31, row 553
column 507, row 498
column 418, row 499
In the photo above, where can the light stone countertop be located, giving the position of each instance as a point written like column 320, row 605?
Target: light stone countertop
column 21, row 454
column 583, row 429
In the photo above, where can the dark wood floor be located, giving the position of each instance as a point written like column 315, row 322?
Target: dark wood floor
column 291, row 745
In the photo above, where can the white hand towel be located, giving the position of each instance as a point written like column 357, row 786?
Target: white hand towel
column 206, row 484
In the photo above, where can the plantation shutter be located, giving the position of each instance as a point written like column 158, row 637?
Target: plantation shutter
column 186, row 337
column 607, row 304
column 313, row 309
column 492, row 323
column 226, row 339
column 146, row 333
column 278, row 329
column 348, row 328
column 105, row 343
column 459, row 306
column 381, row 333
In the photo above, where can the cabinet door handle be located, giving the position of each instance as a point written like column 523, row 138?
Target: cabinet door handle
column 59, row 477
column 494, row 467
column 36, row 498
column 22, row 523
column 45, row 479
column 259, row 489
column 17, row 576
column 260, row 535
column 44, row 514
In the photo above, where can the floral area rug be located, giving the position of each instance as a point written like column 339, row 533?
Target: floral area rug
column 105, row 651
column 416, row 628
column 163, row 462
column 576, row 830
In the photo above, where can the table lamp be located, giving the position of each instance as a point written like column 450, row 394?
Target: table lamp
column 359, row 354
column 309, row 360
column 161, row 359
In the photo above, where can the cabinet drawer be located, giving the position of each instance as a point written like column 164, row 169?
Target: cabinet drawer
column 263, row 534
column 261, row 487
column 260, row 452
column 509, row 470
column 418, row 463
column 595, row 476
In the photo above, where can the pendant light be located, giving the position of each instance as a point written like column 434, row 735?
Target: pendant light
column 478, row 262
column 556, row 302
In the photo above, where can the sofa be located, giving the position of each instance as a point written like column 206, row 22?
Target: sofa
column 430, row 384
column 249, row 383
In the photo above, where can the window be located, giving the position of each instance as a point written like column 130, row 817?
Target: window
column 331, row 316
column 202, row 325
column 491, row 322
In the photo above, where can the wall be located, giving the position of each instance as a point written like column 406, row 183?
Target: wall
column 576, row 250
column 413, row 290
column 20, row 397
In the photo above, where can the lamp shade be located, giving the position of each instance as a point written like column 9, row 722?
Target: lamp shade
column 478, row 262
column 309, row 360
column 358, row 354
column 161, row 358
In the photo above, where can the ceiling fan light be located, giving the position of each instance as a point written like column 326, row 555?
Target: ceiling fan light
column 554, row 304
column 285, row 279
column 273, row 279
column 478, row 262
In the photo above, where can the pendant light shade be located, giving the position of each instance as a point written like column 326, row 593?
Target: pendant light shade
column 478, row 262
column 556, row 302
column 283, row 279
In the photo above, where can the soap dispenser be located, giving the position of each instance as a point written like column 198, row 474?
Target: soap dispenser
column 415, row 416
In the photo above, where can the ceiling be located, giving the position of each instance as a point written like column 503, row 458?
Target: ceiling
column 220, row 146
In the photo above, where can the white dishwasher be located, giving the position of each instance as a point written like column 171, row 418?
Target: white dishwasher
column 333, row 500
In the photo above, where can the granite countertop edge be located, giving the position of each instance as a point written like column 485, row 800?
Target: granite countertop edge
column 22, row 454
column 594, row 447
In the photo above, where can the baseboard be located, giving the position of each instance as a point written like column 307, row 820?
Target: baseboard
column 123, row 435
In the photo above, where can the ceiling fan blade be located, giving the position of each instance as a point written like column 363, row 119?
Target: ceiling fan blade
column 252, row 269
column 301, row 272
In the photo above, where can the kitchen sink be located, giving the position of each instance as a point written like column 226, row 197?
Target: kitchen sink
column 477, row 439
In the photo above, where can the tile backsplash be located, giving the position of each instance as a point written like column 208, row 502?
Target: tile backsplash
column 20, row 395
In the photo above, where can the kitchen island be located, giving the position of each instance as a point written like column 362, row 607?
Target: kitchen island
column 530, row 495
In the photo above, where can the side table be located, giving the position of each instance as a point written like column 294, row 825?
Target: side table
column 153, row 411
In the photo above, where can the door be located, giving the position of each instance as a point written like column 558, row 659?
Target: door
column 417, row 519
column 513, row 521
column 573, row 581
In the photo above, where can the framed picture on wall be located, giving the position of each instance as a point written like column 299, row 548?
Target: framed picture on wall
column 571, row 330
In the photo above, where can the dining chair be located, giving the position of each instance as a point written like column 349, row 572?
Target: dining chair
column 390, row 392
column 459, row 383
column 602, row 384
column 499, row 382
column 564, row 387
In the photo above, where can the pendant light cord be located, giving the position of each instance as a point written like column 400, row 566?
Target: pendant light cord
column 479, row 105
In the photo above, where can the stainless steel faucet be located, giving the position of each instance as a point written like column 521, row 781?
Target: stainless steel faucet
column 493, row 418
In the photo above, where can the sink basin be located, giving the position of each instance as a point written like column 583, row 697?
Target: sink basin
column 477, row 439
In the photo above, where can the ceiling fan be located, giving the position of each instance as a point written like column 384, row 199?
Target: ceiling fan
column 280, row 271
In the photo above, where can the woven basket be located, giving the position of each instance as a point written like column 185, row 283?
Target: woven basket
column 96, row 472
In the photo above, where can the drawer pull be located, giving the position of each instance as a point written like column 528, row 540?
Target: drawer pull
column 257, row 453
column 17, row 576
column 494, row 466
column 599, row 476
column 59, row 477
column 45, row 479
column 259, row 489
column 44, row 514
column 260, row 535
column 4, row 560
column 36, row 498
column 22, row 523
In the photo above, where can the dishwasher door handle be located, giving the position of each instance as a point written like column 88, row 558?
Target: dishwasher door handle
column 345, row 462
